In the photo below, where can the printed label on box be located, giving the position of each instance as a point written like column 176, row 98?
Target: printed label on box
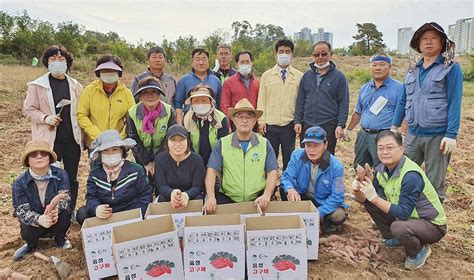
column 178, row 220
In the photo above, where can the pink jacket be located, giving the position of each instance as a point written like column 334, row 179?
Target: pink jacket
column 39, row 103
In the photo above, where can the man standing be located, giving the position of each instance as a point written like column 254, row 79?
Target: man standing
column 241, row 85
column 224, row 56
column 374, row 110
column 277, row 99
column 200, row 74
column 246, row 161
column 314, row 174
column 323, row 97
column 156, row 65
column 432, row 104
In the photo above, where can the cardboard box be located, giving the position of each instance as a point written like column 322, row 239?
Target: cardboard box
column 160, row 209
column 245, row 209
column 310, row 215
column 147, row 249
column 214, row 247
column 276, row 248
column 97, row 242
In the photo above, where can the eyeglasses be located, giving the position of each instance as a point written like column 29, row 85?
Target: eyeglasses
column 224, row 54
column 36, row 153
column 323, row 54
column 318, row 136
column 388, row 149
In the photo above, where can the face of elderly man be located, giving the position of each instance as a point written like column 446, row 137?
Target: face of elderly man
column 380, row 70
column 431, row 43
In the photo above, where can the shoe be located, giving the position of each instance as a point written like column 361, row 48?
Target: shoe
column 391, row 243
column 73, row 216
column 22, row 251
column 63, row 243
column 329, row 228
column 374, row 225
column 418, row 260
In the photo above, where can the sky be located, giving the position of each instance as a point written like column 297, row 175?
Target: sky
column 155, row 20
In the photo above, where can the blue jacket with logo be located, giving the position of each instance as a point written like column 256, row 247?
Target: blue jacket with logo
column 329, row 189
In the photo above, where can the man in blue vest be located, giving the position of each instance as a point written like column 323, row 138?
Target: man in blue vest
column 431, row 103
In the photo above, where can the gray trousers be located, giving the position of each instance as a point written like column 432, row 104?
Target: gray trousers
column 426, row 149
column 366, row 149
column 412, row 233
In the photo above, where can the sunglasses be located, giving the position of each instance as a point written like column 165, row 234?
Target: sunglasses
column 317, row 135
column 323, row 54
column 36, row 153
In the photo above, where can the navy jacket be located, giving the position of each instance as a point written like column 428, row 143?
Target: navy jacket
column 328, row 102
column 26, row 200
column 131, row 190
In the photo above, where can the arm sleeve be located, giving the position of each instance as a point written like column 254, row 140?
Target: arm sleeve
column 271, row 162
column 139, row 151
column 300, row 98
column 336, row 198
column 130, row 104
column 180, row 94
column 225, row 98
column 92, row 196
column 215, row 159
column 359, row 107
column 412, row 186
column 198, row 178
column 172, row 119
column 31, row 106
column 83, row 116
column 454, row 87
column 290, row 173
column 22, row 207
column 343, row 102
column 64, row 187
column 400, row 109
column 134, row 85
column 160, row 177
column 144, row 190
column 218, row 95
column 261, row 103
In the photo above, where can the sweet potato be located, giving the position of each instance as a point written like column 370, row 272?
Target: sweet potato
column 54, row 202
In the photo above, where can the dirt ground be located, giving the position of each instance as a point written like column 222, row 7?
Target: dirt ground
column 452, row 257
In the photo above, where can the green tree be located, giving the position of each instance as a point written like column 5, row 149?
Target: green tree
column 368, row 40
column 303, row 48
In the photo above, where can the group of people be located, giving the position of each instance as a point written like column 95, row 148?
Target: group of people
column 217, row 135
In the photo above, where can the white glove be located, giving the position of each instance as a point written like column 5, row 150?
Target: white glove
column 355, row 185
column 103, row 211
column 448, row 145
column 348, row 134
column 394, row 129
column 368, row 189
column 53, row 120
column 45, row 221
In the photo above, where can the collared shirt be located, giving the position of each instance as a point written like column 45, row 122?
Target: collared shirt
column 276, row 98
column 190, row 80
column 167, row 81
column 312, row 180
column 391, row 90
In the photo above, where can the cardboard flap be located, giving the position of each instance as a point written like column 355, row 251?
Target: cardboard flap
column 238, row 208
column 143, row 229
column 274, row 222
column 116, row 217
column 212, row 220
column 162, row 208
column 290, row 207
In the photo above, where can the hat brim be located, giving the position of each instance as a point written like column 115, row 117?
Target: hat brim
column 25, row 155
column 188, row 100
column 415, row 40
column 126, row 144
column 147, row 87
column 233, row 111
column 317, row 141
column 108, row 65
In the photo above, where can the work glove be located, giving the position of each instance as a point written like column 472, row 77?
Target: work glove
column 394, row 129
column 45, row 221
column 53, row 120
column 103, row 211
column 448, row 145
column 368, row 189
column 355, row 185
column 348, row 134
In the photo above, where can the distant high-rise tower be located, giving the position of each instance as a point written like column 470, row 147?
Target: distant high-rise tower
column 463, row 35
column 404, row 37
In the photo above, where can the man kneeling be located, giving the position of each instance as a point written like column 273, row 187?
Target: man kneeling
column 402, row 202
column 314, row 174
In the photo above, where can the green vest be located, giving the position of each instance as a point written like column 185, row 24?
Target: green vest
column 243, row 175
column 195, row 135
column 161, row 126
column 392, row 191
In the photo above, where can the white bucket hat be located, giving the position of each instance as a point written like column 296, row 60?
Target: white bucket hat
column 109, row 139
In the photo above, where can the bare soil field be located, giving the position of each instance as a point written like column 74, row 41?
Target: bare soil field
column 452, row 257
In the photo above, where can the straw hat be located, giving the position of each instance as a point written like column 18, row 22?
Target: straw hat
column 244, row 105
column 37, row 146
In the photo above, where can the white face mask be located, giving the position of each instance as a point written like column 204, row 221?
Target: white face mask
column 201, row 109
column 111, row 160
column 109, row 78
column 57, row 67
column 322, row 66
column 245, row 69
column 283, row 59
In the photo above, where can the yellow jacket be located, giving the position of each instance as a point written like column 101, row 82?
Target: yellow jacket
column 97, row 112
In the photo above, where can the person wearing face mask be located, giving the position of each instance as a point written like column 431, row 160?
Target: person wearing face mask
column 179, row 171
column 241, row 85
column 105, row 102
column 323, row 97
column 57, row 126
column 277, row 99
column 116, row 184
column 205, row 123
column 147, row 123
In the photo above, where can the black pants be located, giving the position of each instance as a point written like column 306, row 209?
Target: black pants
column 32, row 234
column 163, row 199
column 221, row 198
column 82, row 215
column 70, row 154
column 283, row 136
column 330, row 129
column 335, row 218
column 412, row 233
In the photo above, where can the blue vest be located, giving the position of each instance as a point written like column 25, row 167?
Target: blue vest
column 427, row 103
